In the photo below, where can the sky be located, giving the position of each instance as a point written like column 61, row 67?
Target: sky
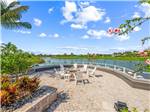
column 78, row 27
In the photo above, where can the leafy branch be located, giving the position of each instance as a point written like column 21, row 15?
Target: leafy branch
column 144, row 1
column 145, row 39
column 131, row 24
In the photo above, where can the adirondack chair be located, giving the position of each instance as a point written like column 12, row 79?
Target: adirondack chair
column 84, row 69
column 78, row 78
column 59, row 74
column 75, row 66
column 62, row 68
column 92, row 73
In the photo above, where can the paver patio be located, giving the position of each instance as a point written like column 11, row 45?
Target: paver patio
column 99, row 95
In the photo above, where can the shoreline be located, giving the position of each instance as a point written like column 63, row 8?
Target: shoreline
column 101, row 58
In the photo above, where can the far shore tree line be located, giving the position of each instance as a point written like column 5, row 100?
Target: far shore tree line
column 144, row 54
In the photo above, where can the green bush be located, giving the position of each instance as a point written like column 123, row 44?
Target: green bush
column 16, row 61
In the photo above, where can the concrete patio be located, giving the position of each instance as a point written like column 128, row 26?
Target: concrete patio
column 97, row 96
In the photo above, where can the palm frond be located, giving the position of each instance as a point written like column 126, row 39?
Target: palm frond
column 11, row 14
column 3, row 6
column 20, row 9
column 17, row 25
column 13, row 4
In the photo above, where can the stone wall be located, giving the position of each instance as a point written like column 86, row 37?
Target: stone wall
column 39, row 104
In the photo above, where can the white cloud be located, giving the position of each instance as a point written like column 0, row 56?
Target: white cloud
column 136, row 15
column 50, row 10
column 117, row 49
column 79, row 17
column 126, row 48
column 77, row 26
column 136, row 29
column 73, row 48
column 89, row 14
column 85, row 37
column 37, row 22
column 56, row 35
column 122, row 37
column 107, row 20
column 43, row 35
column 22, row 31
column 98, row 34
column 69, row 8
column 145, row 7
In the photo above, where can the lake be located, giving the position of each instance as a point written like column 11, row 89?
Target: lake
column 127, row 64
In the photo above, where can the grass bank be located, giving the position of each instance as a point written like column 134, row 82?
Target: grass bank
column 126, row 58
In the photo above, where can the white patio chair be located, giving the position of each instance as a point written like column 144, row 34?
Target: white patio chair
column 59, row 74
column 66, row 76
column 78, row 78
column 62, row 68
column 92, row 73
column 75, row 66
column 62, row 74
column 84, row 69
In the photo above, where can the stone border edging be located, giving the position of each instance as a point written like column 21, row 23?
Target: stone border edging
column 39, row 104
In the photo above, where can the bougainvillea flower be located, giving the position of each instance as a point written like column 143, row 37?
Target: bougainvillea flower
column 147, row 61
column 110, row 31
column 116, row 30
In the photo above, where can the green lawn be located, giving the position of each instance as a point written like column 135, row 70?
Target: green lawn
column 129, row 58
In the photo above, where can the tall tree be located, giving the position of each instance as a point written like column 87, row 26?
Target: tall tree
column 11, row 15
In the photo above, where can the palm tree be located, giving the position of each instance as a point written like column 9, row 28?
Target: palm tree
column 11, row 15
column 8, row 48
